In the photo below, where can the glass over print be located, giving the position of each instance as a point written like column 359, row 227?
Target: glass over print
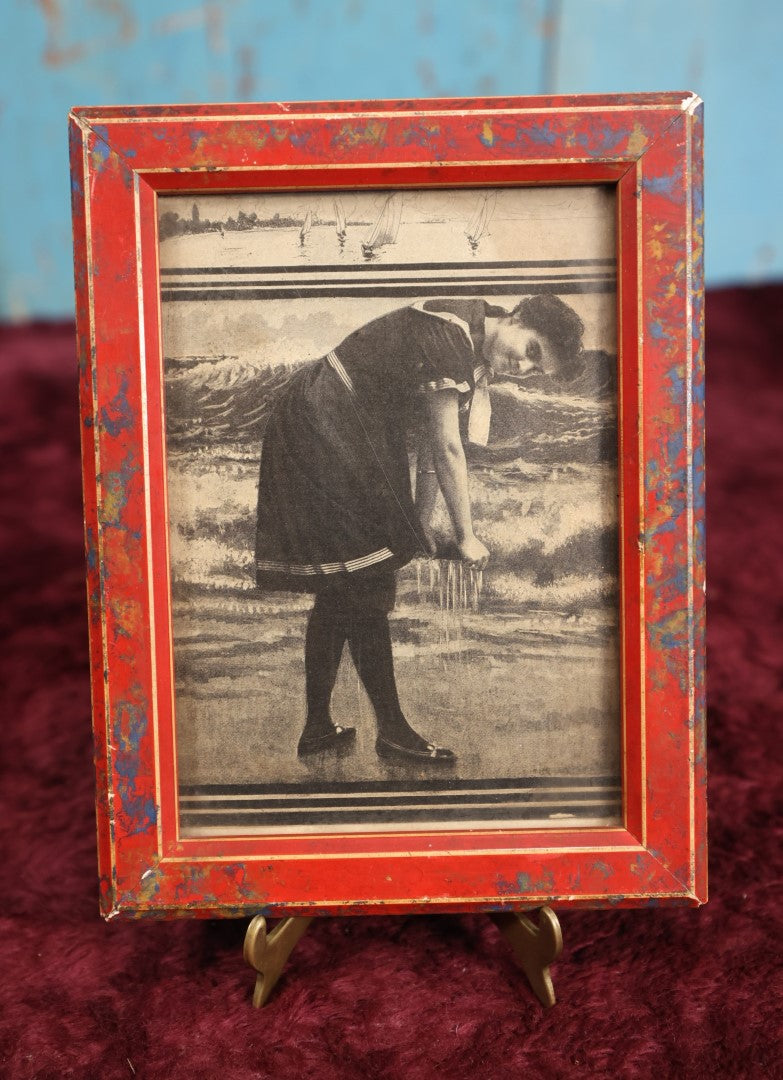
column 343, row 657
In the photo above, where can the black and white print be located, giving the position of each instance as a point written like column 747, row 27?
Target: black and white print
column 514, row 668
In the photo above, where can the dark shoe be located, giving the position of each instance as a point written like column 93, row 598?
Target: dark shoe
column 338, row 738
column 425, row 751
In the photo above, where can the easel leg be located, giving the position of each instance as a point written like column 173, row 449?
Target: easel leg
column 534, row 947
column 267, row 953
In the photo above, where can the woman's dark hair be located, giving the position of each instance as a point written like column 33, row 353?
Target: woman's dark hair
column 549, row 316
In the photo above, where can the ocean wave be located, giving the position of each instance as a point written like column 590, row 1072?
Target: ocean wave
column 221, row 404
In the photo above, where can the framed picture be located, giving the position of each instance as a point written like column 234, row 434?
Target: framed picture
column 393, row 473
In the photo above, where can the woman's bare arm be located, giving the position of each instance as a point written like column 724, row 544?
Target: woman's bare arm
column 427, row 491
column 451, row 472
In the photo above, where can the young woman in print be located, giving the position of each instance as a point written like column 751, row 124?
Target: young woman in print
column 336, row 513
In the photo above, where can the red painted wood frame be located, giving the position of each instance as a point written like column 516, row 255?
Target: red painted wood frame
column 650, row 147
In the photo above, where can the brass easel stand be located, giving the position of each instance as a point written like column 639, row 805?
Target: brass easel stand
column 534, row 948
column 268, row 952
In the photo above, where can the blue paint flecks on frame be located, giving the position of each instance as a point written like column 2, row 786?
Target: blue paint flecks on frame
column 114, row 488
column 103, row 135
column 196, row 137
column 675, row 445
column 522, row 885
column 101, row 150
column 117, row 416
column 299, row 139
column 657, row 332
column 419, row 135
column 91, row 549
column 697, row 469
column 698, row 200
column 669, row 186
column 607, row 139
column 676, row 379
column 130, row 725
column 668, row 526
column 542, row 134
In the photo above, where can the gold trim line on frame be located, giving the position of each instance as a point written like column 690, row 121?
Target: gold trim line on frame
column 87, row 186
column 387, row 114
column 642, row 511
column 147, row 507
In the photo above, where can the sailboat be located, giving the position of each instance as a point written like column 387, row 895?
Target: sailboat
column 306, row 225
column 386, row 227
column 479, row 223
column 340, row 219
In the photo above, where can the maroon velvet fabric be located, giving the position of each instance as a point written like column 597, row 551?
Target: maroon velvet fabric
column 664, row 993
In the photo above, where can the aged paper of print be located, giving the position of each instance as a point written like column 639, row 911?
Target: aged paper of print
column 511, row 668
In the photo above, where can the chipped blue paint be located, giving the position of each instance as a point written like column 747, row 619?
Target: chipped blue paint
column 697, row 471
column 675, row 444
column 237, row 872
column 129, row 727
column 697, row 196
column 118, row 415
column 667, row 526
column 196, row 136
column 191, row 884
column 524, row 884
column 130, row 724
column 421, row 135
column 113, row 486
column 352, row 134
column 542, row 134
column 101, row 151
column 669, row 635
column 669, row 186
column 601, row 141
column 676, row 381
column 299, row 139
column 657, row 332
column 91, row 549
column 119, row 406
column 671, row 586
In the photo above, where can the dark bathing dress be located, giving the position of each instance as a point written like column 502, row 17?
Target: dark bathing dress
column 335, row 505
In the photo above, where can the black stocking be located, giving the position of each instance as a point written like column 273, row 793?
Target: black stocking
column 370, row 643
column 324, row 641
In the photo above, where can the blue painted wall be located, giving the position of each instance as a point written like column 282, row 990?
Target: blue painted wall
column 59, row 53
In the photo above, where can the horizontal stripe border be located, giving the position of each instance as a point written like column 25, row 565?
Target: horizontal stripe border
column 364, row 268
column 301, row 291
column 450, row 784
column 559, row 813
